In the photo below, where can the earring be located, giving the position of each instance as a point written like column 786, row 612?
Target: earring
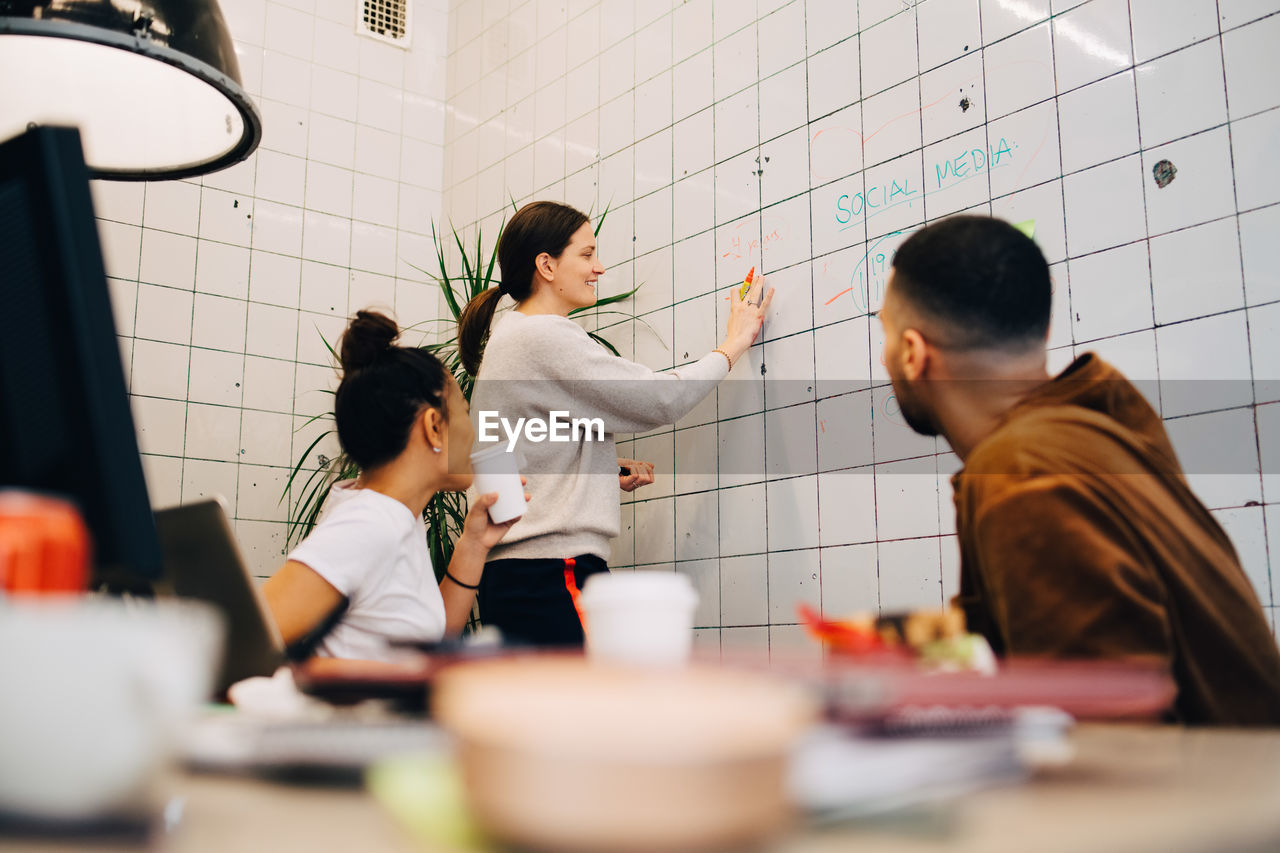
column 436, row 449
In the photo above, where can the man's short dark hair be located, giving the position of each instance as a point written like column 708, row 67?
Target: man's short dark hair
column 981, row 278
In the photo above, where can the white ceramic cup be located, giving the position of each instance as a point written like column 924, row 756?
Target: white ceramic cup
column 639, row 617
column 496, row 470
column 95, row 694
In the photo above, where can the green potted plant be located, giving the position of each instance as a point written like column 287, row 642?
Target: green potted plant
column 445, row 513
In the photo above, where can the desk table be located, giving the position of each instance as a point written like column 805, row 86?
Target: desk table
column 1130, row 788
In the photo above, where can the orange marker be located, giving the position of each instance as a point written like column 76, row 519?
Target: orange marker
column 746, row 283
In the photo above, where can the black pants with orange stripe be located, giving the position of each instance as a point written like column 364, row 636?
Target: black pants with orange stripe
column 531, row 602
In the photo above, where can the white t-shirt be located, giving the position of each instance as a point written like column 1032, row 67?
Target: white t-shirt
column 373, row 550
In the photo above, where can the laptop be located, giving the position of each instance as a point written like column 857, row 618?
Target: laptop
column 202, row 562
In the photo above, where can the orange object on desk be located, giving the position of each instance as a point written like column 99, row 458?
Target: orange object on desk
column 44, row 545
column 841, row 636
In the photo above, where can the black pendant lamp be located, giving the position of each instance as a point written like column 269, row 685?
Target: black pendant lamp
column 153, row 85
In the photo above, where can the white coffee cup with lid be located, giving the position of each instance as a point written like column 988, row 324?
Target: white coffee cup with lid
column 639, row 617
column 95, row 694
column 496, row 470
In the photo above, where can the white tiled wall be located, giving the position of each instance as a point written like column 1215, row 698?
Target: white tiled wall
column 224, row 287
column 805, row 137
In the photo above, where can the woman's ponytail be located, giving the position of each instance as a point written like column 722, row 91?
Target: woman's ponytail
column 473, row 328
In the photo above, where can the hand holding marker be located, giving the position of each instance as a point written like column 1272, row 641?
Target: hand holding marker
column 746, row 316
column 746, row 285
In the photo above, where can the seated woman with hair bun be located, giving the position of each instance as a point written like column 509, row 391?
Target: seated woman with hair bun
column 364, row 576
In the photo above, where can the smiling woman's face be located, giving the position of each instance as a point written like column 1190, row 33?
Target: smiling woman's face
column 578, row 269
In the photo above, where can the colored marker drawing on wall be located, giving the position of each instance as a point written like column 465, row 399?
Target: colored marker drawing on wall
column 854, row 208
column 870, row 275
column 748, row 238
column 972, row 163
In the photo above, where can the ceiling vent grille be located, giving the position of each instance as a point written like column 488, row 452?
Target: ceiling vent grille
column 385, row 20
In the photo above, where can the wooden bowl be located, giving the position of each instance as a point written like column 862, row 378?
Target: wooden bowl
column 562, row 754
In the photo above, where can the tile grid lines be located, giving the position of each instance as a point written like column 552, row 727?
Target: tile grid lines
column 1091, row 167
column 1157, row 325
column 813, row 318
column 244, row 357
column 294, row 438
column 871, row 338
column 137, row 299
column 663, row 431
column 986, row 130
column 1154, row 324
column 764, row 352
column 984, row 46
column 1049, row 180
column 882, row 385
column 986, row 136
column 869, row 470
column 244, row 349
column 188, row 452
column 630, row 445
column 186, row 407
column 1257, row 432
column 396, row 277
column 963, row 132
column 675, row 493
column 720, row 520
column 181, row 450
column 716, row 488
column 1059, row 177
column 1146, row 213
column 986, row 140
column 297, row 353
column 133, row 343
column 260, row 251
column 735, row 556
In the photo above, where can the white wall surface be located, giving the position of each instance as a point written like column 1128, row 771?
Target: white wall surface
column 223, row 286
column 727, row 133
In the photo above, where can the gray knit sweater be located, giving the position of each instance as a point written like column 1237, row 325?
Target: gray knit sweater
column 534, row 365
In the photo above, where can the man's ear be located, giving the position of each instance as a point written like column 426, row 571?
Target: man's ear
column 914, row 354
column 545, row 265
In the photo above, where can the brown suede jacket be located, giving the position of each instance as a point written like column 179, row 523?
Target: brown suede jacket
column 1080, row 538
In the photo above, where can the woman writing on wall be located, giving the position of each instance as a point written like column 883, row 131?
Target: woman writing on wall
column 402, row 418
column 536, row 360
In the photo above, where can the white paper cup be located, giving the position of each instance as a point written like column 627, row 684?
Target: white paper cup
column 639, row 617
column 95, row 694
column 495, row 470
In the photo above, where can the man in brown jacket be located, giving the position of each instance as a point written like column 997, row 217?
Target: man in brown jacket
column 1078, row 534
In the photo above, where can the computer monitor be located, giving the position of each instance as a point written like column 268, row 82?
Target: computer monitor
column 65, row 423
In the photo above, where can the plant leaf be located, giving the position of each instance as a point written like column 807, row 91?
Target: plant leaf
column 600, row 221
column 606, row 344
column 615, row 298
column 462, row 250
column 302, row 460
column 446, row 286
column 488, row 273
column 327, row 345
